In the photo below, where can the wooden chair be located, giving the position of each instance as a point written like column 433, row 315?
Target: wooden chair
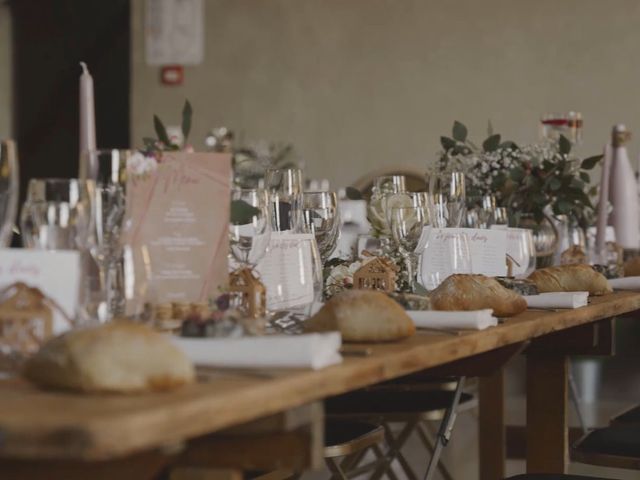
column 413, row 406
column 415, row 178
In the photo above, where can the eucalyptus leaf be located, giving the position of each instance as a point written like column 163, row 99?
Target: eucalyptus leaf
column 353, row 193
column 585, row 177
column 187, row 113
column 161, row 131
column 492, row 143
column 242, row 213
column 555, row 183
column 447, row 143
column 509, row 145
column 591, row 162
column 517, row 174
column 563, row 207
column 459, row 131
column 564, row 145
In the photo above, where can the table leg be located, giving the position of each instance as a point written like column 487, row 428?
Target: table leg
column 547, row 432
column 491, row 428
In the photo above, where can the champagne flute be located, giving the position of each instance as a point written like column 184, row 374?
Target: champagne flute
column 9, row 187
column 107, row 169
column 321, row 218
column 406, row 221
column 284, row 187
column 446, row 193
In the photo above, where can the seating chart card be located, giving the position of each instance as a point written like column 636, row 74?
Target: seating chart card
column 179, row 209
column 287, row 270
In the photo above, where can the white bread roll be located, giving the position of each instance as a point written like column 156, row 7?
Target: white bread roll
column 115, row 357
column 363, row 316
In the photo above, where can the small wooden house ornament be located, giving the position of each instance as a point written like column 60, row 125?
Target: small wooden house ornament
column 26, row 321
column 252, row 292
column 377, row 274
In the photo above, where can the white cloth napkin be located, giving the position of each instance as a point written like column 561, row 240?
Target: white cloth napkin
column 314, row 350
column 471, row 320
column 558, row 300
column 626, row 283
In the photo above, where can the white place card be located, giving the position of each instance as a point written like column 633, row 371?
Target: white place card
column 446, row 251
column 287, row 270
column 55, row 273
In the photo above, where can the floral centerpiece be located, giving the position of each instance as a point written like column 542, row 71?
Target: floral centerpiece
column 529, row 180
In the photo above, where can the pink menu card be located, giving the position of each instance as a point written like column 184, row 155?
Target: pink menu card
column 179, row 213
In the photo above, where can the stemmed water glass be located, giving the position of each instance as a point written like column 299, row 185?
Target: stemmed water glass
column 57, row 214
column 284, row 187
column 377, row 212
column 446, row 196
column 9, row 186
column 249, row 227
column 321, row 218
column 107, row 169
column 406, row 221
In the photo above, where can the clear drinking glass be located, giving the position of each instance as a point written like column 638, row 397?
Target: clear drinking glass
column 107, row 169
column 321, row 218
column 57, row 214
column 284, row 187
column 377, row 214
column 521, row 248
column 446, row 196
column 9, row 187
column 250, row 228
column 406, row 221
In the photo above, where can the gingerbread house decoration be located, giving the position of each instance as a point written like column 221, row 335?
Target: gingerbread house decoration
column 251, row 291
column 26, row 321
column 377, row 274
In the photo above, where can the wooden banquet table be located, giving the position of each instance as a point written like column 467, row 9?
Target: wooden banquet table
column 45, row 431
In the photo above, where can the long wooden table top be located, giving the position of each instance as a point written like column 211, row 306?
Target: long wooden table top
column 43, row 424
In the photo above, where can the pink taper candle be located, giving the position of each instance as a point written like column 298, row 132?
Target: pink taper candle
column 87, row 117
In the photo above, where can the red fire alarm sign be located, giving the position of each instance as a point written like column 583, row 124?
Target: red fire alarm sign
column 172, row 75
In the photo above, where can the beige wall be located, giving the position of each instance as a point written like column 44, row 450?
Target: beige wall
column 5, row 71
column 357, row 84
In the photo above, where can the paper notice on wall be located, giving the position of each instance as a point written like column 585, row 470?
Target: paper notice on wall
column 174, row 32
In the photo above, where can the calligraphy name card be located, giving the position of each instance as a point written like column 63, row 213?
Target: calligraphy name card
column 287, row 270
column 56, row 273
column 461, row 250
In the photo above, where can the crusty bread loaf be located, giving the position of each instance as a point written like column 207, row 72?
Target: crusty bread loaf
column 363, row 316
column 570, row 278
column 632, row 267
column 476, row 292
column 115, row 357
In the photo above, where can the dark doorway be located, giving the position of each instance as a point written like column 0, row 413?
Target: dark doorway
column 50, row 38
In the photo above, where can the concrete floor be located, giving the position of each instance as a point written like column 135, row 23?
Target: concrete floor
column 619, row 389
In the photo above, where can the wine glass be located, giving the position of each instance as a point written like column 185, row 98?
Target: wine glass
column 500, row 218
column 321, row 218
column 249, row 226
column 406, row 221
column 521, row 248
column 57, row 214
column 383, row 187
column 107, row 169
column 9, row 186
column 446, row 195
column 446, row 252
column 284, row 187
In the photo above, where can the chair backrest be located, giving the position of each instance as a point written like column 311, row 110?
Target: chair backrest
column 415, row 178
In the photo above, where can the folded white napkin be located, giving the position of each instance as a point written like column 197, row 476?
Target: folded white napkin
column 472, row 320
column 626, row 283
column 315, row 351
column 558, row 300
